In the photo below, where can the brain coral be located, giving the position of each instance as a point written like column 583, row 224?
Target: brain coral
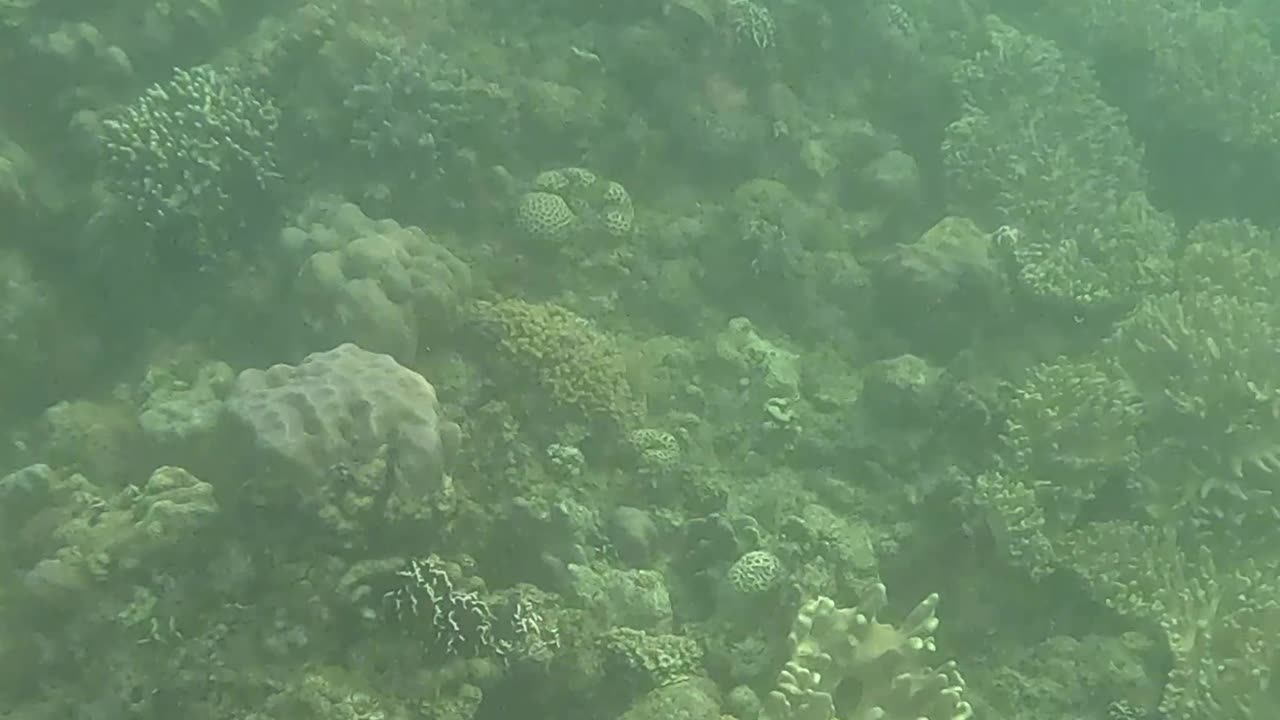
column 568, row 200
column 579, row 367
column 341, row 408
column 545, row 216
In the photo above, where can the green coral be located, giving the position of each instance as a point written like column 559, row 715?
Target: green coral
column 1204, row 366
column 194, row 161
column 578, row 367
column 1218, row 621
column 657, row 451
column 643, row 661
column 1038, row 155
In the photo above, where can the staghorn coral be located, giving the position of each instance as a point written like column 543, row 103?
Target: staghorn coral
column 1230, row 257
column 1219, row 621
column 751, row 24
column 578, row 368
column 193, row 160
column 847, row 664
column 1071, row 427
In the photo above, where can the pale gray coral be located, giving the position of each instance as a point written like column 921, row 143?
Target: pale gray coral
column 383, row 286
column 182, row 403
column 344, row 417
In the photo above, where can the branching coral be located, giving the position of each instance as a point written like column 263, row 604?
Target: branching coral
column 420, row 114
column 1204, row 366
column 194, row 160
column 579, row 367
column 1070, row 428
column 835, row 651
column 1039, row 154
column 1219, row 622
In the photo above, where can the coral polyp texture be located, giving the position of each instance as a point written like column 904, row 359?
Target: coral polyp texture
column 568, row 201
column 846, row 664
column 193, row 160
column 345, row 432
column 578, row 367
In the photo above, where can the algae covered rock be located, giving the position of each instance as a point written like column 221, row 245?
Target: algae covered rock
column 943, row 289
column 73, row 534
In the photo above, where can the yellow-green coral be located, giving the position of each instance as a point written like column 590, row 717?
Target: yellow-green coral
column 579, row 367
column 846, row 663
column 1219, row 622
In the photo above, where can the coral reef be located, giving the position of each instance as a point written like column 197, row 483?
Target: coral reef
column 746, row 307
